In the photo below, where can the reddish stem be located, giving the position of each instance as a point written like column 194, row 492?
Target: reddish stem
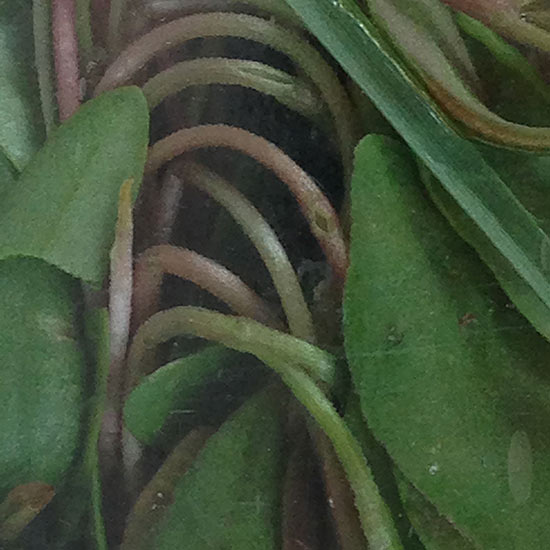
column 216, row 279
column 316, row 208
column 65, row 47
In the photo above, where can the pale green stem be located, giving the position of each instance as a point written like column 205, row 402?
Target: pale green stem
column 84, row 32
column 306, row 57
column 43, row 47
column 316, row 208
column 160, row 9
column 293, row 360
column 266, row 242
column 151, row 266
column 120, row 293
column 289, row 90
column 238, row 333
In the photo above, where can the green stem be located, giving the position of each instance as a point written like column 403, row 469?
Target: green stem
column 316, row 208
column 374, row 515
column 42, row 20
column 289, row 90
column 84, row 33
column 237, row 333
column 306, row 57
column 503, row 52
column 115, row 20
column 160, row 9
column 292, row 359
column 266, row 242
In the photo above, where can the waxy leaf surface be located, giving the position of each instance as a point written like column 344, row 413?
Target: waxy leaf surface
column 64, row 206
column 452, row 380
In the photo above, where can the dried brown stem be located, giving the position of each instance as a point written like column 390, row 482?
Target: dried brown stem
column 65, row 47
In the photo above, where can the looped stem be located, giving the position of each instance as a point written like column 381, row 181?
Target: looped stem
column 292, row 359
column 213, row 277
column 316, row 208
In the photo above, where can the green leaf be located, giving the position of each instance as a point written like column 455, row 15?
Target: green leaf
column 169, row 390
column 21, row 126
column 452, row 381
column 42, row 374
column 8, row 173
column 456, row 162
column 230, row 498
column 435, row 531
column 64, row 208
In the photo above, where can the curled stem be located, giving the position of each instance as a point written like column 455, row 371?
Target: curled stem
column 266, row 242
column 316, row 208
column 65, row 47
column 41, row 17
column 160, row 9
column 306, row 57
column 289, row 90
column 209, row 275
column 293, row 360
column 237, row 333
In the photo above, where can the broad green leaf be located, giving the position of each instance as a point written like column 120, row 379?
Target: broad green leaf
column 168, row 391
column 456, row 162
column 150, row 508
column 435, row 531
column 64, row 208
column 78, row 508
column 21, row 125
column 452, row 381
column 42, row 374
column 230, row 497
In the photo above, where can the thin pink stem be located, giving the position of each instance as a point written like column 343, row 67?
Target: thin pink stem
column 316, row 208
column 209, row 275
column 65, row 47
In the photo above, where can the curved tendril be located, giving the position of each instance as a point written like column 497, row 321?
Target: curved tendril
column 65, row 48
column 266, row 242
column 316, row 208
column 289, row 90
column 306, row 57
column 238, row 333
column 209, row 275
column 292, row 359
column 160, row 9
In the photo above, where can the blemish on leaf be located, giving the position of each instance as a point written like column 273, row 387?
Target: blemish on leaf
column 520, row 467
column 466, row 320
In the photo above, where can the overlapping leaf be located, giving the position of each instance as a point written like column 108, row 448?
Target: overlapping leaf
column 168, row 391
column 457, row 163
column 21, row 126
column 452, row 381
column 42, row 374
column 230, row 497
column 63, row 209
